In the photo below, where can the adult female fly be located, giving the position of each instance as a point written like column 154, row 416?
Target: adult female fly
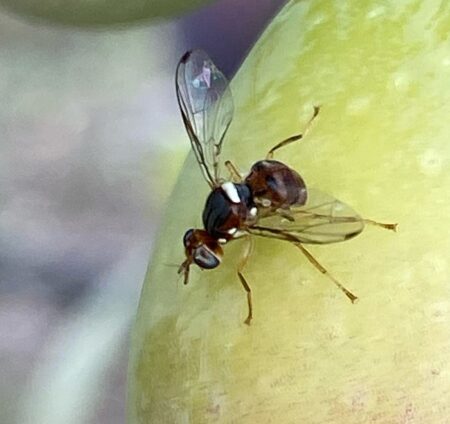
column 271, row 201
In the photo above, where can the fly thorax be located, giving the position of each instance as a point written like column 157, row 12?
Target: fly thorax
column 227, row 210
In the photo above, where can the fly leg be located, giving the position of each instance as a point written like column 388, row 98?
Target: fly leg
column 392, row 227
column 314, row 261
column 184, row 269
column 236, row 177
column 294, row 137
column 243, row 261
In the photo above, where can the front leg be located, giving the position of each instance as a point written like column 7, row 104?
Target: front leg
column 246, row 252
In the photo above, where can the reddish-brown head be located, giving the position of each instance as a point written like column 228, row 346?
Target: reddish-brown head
column 201, row 249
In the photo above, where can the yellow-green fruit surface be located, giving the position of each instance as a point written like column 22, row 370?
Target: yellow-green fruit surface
column 381, row 143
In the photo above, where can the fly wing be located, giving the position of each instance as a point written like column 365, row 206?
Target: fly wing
column 206, row 106
column 322, row 220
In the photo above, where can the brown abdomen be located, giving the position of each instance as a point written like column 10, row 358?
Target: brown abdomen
column 275, row 185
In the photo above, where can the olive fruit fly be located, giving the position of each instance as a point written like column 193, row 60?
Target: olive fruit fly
column 272, row 201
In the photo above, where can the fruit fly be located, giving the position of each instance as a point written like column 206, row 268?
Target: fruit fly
column 272, row 201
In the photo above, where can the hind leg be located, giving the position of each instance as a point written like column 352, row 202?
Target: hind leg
column 293, row 138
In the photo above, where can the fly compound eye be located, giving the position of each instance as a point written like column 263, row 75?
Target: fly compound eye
column 187, row 237
column 205, row 258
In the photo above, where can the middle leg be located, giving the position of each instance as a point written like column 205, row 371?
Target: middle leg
column 241, row 265
column 236, row 177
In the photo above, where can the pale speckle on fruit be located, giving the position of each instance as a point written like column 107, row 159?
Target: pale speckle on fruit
column 358, row 105
column 401, row 81
column 319, row 19
column 431, row 162
column 376, row 12
column 435, row 263
column 405, row 277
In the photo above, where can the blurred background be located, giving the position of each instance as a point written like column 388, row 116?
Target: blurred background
column 91, row 142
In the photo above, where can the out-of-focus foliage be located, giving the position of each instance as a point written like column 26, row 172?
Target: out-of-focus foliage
column 381, row 72
column 99, row 12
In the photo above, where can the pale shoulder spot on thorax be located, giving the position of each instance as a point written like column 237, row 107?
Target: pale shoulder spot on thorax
column 230, row 190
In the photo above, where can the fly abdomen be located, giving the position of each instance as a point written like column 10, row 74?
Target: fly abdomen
column 275, row 185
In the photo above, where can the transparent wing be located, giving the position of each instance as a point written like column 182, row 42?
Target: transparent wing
column 322, row 220
column 206, row 107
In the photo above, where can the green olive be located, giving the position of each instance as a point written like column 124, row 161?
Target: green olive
column 380, row 72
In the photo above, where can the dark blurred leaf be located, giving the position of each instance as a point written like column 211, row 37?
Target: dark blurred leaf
column 99, row 12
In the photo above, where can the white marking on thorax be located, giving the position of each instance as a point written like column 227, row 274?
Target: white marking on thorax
column 231, row 191
column 265, row 202
column 253, row 211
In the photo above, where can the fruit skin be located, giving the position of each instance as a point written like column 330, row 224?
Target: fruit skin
column 381, row 144
column 99, row 12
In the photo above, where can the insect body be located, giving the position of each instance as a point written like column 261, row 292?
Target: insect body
column 271, row 201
